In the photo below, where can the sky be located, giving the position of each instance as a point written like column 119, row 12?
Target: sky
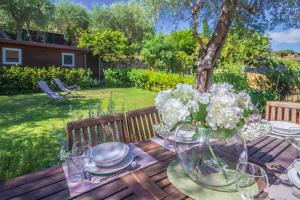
column 280, row 38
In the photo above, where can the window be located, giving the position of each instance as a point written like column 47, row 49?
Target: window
column 11, row 56
column 68, row 59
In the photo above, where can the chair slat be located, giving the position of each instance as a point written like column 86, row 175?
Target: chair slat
column 294, row 115
column 97, row 130
column 140, row 123
column 273, row 113
column 279, row 114
column 286, row 114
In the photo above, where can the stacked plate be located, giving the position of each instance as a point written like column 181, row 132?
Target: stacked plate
column 109, row 157
column 285, row 128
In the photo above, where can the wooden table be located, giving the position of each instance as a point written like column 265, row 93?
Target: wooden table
column 148, row 183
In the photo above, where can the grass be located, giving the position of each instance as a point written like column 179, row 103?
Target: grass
column 27, row 122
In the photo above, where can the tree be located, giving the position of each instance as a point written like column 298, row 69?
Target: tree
column 130, row 18
column 26, row 11
column 68, row 18
column 110, row 46
column 186, row 41
column 260, row 15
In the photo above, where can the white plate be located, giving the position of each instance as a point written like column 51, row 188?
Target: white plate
column 94, row 169
column 109, row 154
column 293, row 177
column 285, row 128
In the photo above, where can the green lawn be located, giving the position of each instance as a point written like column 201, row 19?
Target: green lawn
column 27, row 123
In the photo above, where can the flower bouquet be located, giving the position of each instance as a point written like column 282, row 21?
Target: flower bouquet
column 210, row 130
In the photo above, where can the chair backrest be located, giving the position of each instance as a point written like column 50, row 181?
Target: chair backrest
column 283, row 111
column 44, row 86
column 97, row 130
column 59, row 84
column 140, row 123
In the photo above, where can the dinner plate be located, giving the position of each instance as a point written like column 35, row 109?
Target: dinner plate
column 94, row 169
column 293, row 177
column 285, row 128
column 109, row 154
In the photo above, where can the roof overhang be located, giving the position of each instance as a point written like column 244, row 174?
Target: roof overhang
column 42, row 45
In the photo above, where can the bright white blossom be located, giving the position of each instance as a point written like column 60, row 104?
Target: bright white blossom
column 173, row 112
column 162, row 98
column 224, row 107
column 254, row 130
column 244, row 101
column 223, row 112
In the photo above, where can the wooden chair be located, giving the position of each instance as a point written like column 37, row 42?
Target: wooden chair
column 140, row 123
column 283, row 111
column 97, row 130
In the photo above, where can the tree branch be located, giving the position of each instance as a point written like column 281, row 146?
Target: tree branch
column 196, row 8
column 248, row 8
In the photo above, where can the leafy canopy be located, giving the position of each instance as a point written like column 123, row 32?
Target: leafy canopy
column 129, row 18
column 110, row 46
column 68, row 18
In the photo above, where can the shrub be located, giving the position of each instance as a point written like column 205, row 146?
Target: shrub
column 15, row 79
column 117, row 77
column 145, row 79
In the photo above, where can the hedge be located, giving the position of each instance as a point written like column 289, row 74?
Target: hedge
column 145, row 79
column 16, row 79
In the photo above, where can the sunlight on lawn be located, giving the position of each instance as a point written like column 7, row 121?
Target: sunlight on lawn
column 27, row 123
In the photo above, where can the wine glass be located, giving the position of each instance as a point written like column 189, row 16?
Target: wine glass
column 251, row 181
column 294, row 137
column 81, row 153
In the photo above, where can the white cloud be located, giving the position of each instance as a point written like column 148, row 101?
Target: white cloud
column 285, row 37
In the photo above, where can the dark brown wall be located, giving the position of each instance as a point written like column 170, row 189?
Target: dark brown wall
column 41, row 56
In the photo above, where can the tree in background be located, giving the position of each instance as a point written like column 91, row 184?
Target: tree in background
column 110, row 46
column 27, row 11
column 159, row 52
column 129, row 18
column 68, row 18
column 260, row 15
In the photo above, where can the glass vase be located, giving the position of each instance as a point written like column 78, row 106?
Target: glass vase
column 210, row 157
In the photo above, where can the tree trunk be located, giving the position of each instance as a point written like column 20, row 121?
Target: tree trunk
column 209, row 53
column 19, row 28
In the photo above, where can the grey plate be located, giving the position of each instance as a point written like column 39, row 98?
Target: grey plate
column 109, row 154
column 94, row 169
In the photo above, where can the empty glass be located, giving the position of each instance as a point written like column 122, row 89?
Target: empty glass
column 74, row 171
column 251, row 181
column 81, row 153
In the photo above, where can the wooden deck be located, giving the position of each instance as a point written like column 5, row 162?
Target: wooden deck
column 148, row 183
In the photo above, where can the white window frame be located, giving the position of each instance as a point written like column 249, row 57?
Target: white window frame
column 63, row 59
column 4, row 61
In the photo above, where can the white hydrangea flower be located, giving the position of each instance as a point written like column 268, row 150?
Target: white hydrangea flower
column 223, row 112
column 254, row 130
column 162, row 98
column 173, row 112
column 244, row 100
column 183, row 92
column 221, row 88
column 203, row 97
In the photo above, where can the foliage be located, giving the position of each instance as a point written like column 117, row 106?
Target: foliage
column 291, row 64
column 117, row 77
column 245, row 46
column 185, row 41
column 159, row 52
column 16, row 79
column 68, row 18
column 145, row 79
column 286, row 53
column 27, row 11
column 33, row 129
column 280, row 79
column 110, row 46
column 129, row 18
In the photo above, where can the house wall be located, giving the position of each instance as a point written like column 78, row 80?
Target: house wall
column 40, row 56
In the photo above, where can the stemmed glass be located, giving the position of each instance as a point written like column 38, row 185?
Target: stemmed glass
column 80, row 154
column 251, row 181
